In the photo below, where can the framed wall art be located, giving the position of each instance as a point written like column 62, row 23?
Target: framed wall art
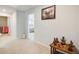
column 48, row 12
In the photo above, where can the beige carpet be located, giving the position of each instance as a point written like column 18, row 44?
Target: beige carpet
column 23, row 46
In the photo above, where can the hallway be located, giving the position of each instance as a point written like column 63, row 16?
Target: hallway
column 23, row 46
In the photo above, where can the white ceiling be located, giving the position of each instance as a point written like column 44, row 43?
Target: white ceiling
column 11, row 8
column 23, row 7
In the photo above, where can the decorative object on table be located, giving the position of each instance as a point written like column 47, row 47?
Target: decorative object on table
column 71, row 46
column 67, row 48
column 48, row 12
column 55, row 41
column 63, row 41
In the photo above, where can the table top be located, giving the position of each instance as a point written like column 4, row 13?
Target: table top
column 63, row 48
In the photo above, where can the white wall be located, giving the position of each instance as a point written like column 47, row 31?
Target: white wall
column 77, row 25
column 27, row 13
column 20, row 23
column 11, row 23
column 66, row 23
column 12, row 29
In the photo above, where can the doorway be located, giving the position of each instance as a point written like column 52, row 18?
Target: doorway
column 31, row 26
column 3, row 25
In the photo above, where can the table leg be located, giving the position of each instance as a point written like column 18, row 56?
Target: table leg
column 54, row 50
column 51, row 50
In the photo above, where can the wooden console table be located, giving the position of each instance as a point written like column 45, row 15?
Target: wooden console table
column 61, row 48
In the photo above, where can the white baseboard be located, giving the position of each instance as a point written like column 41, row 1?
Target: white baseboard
column 42, row 44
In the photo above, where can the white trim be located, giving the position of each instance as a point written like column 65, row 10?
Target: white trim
column 38, row 42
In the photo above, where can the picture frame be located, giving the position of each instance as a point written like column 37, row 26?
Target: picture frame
column 48, row 13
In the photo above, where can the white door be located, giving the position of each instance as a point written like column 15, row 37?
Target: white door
column 31, row 26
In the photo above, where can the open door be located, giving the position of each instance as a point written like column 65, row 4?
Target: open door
column 31, row 26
